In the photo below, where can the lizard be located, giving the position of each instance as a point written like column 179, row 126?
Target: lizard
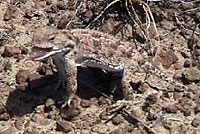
column 86, row 48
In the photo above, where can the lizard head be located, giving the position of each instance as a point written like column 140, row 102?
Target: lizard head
column 49, row 41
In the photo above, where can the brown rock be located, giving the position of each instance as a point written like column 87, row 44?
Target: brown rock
column 69, row 113
column 192, row 74
column 187, row 5
column 63, row 21
column 151, row 116
column 44, row 70
column 63, row 126
column 86, row 103
column 176, row 95
column 11, row 51
column 152, row 99
column 167, row 58
column 139, row 33
column 187, row 112
column 196, row 122
column 197, row 108
column 187, row 64
column 117, row 120
column 196, row 52
column 22, row 86
column 22, row 76
column 4, row 117
column 171, row 109
column 104, row 115
column 36, row 80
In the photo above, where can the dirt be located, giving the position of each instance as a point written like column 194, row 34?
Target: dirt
column 30, row 104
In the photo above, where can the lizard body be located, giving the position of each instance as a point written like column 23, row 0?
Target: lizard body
column 86, row 48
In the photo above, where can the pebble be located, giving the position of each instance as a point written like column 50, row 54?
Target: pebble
column 63, row 126
column 10, row 51
column 22, row 76
column 171, row 109
column 195, row 122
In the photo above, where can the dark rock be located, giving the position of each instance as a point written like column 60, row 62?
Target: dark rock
column 22, row 76
column 187, row 63
column 117, row 120
column 63, row 126
column 171, row 109
column 11, row 51
column 196, row 122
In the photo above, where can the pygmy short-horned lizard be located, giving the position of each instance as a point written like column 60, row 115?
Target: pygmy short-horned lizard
column 86, row 48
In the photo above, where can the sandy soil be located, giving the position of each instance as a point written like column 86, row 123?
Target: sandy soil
column 30, row 105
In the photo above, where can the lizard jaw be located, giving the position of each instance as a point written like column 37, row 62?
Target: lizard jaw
column 42, row 53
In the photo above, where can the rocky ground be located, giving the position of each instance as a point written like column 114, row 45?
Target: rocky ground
column 30, row 105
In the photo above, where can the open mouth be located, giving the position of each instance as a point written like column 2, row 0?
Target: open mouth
column 39, row 53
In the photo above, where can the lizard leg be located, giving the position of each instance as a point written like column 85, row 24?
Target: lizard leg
column 71, row 73
column 67, row 76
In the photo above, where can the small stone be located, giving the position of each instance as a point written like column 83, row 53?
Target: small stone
column 152, row 99
column 117, row 120
column 4, row 117
column 36, row 80
column 171, row 109
column 187, row 5
column 7, row 15
column 86, row 103
column 103, row 101
column 69, row 113
column 195, row 122
column 168, row 58
column 44, row 70
column 22, row 76
column 22, row 86
column 196, row 52
column 11, row 51
column 187, row 63
column 119, row 131
column 63, row 126
column 197, row 108
column 151, row 116
column 19, row 123
column 187, row 113
column 104, row 115
column 192, row 74
column 176, row 95
column 63, row 21
column 61, row 5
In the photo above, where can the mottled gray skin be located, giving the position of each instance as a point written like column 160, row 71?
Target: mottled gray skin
column 86, row 48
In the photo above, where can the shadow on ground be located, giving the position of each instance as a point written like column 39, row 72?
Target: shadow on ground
column 90, row 83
